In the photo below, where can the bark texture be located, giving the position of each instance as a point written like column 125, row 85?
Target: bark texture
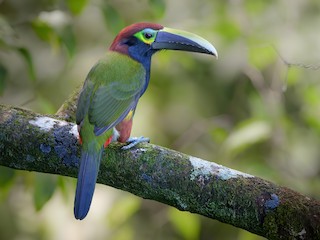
column 34, row 142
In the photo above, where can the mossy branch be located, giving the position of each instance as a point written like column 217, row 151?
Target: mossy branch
column 34, row 142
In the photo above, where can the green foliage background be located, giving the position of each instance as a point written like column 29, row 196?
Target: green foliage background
column 256, row 109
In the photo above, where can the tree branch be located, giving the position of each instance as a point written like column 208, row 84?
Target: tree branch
column 34, row 142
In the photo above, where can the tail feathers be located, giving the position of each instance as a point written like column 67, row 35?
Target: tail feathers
column 87, row 177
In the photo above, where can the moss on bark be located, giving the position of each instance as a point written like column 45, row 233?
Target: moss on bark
column 33, row 142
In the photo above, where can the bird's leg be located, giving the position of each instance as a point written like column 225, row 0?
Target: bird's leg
column 122, row 133
column 133, row 141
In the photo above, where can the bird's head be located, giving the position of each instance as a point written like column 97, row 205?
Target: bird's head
column 141, row 40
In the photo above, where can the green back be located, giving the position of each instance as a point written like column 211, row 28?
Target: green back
column 112, row 88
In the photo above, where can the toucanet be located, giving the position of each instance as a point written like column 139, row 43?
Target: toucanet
column 111, row 92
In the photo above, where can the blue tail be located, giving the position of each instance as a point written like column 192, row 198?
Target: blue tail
column 87, row 177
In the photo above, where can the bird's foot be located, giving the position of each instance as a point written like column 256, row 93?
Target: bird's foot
column 133, row 141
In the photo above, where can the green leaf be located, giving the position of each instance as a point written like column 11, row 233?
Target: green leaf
column 219, row 134
column 45, row 185
column 68, row 39
column 256, row 7
column 7, row 34
column 248, row 134
column 294, row 74
column 123, row 209
column 44, row 31
column 3, row 76
column 126, row 232
column 45, row 105
column 56, row 34
column 311, row 97
column 158, row 7
column 76, row 6
column 245, row 235
column 312, row 100
column 112, row 18
column 6, row 176
column 61, row 184
column 228, row 29
column 262, row 57
column 187, row 224
column 28, row 59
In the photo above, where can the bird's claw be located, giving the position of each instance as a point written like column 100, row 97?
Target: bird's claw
column 133, row 141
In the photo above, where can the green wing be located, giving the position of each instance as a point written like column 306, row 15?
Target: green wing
column 113, row 88
column 84, row 101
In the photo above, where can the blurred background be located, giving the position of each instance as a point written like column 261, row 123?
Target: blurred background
column 256, row 109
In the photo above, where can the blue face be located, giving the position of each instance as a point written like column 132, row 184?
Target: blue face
column 139, row 46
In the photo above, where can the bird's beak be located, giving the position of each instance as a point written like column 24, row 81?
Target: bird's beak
column 168, row 38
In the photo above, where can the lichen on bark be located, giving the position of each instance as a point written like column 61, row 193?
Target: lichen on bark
column 34, row 142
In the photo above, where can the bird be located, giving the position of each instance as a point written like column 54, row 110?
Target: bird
column 110, row 94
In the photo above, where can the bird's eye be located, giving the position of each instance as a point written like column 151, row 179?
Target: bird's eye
column 148, row 35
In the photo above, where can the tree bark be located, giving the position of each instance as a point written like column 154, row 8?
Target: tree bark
column 33, row 142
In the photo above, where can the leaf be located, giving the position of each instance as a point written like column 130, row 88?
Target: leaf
column 43, row 30
column 112, row 18
column 249, row 133
column 127, row 232
column 43, row 190
column 262, row 57
column 45, row 105
column 158, row 7
column 28, row 59
column 7, row 35
column 218, row 134
column 46, row 33
column 61, row 184
column 294, row 75
column 308, row 113
column 256, row 7
column 187, row 224
column 67, row 38
column 123, row 209
column 76, row 6
column 228, row 29
column 6, row 176
column 55, row 28
column 3, row 76
column 245, row 235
